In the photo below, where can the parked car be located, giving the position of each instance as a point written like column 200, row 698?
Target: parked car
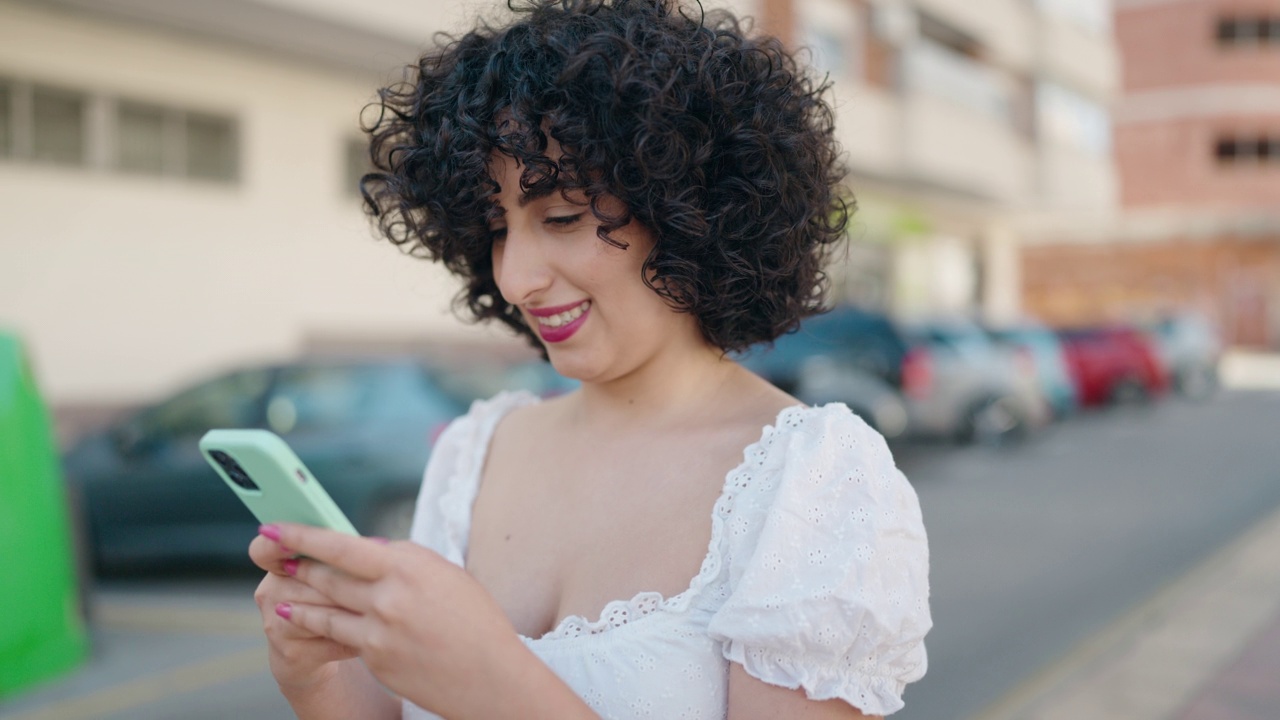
column 1035, row 346
column 1113, row 364
column 363, row 427
column 847, row 355
column 1190, row 349
column 961, row 386
column 486, row 377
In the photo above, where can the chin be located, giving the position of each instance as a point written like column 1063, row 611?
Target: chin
column 579, row 366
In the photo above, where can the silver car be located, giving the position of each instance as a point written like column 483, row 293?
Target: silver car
column 961, row 386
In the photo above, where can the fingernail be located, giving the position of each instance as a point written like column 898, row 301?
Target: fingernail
column 270, row 531
column 380, row 540
column 284, row 610
column 291, row 566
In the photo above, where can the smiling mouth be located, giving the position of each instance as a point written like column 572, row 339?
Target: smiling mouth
column 566, row 317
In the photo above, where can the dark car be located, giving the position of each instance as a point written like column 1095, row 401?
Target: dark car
column 1113, row 364
column 363, row 427
column 847, row 355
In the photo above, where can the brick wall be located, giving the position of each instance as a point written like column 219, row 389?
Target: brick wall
column 1172, row 44
column 1173, row 163
column 1183, row 93
column 1235, row 282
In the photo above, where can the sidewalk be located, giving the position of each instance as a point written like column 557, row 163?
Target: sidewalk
column 1205, row 648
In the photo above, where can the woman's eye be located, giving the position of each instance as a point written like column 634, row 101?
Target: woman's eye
column 564, row 219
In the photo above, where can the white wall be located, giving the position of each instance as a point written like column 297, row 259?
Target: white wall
column 967, row 149
column 127, row 286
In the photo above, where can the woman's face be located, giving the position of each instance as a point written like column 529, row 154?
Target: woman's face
column 584, row 298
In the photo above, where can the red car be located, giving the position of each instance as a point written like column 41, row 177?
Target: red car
column 1113, row 364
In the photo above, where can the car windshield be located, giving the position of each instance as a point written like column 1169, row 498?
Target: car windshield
column 323, row 396
column 232, row 401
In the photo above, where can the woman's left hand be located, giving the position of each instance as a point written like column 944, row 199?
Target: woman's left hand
column 424, row 627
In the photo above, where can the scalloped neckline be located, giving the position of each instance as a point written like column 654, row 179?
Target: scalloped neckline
column 680, row 600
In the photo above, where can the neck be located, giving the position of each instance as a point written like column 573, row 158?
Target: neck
column 672, row 385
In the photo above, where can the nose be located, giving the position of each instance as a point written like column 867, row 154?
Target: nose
column 520, row 266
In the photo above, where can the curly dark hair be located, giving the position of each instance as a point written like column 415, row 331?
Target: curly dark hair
column 717, row 142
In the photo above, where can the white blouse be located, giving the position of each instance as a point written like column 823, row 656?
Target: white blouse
column 817, row 576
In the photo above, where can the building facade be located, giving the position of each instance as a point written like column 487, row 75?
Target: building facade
column 1198, row 148
column 178, row 175
column 178, row 188
column 959, row 120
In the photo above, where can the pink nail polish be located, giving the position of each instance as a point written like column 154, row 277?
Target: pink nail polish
column 284, row 610
column 291, row 566
column 269, row 531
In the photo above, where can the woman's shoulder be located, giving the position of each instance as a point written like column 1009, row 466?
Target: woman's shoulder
column 485, row 413
column 826, row 463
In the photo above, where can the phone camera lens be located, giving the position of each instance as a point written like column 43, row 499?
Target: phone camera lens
column 233, row 469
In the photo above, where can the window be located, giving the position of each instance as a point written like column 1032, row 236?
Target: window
column 210, row 148
column 228, row 402
column 941, row 71
column 58, row 128
column 140, row 140
column 155, row 140
column 1249, row 31
column 312, row 398
column 355, row 158
column 69, row 127
column 945, row 61
column 1245, row 150
column 948, row 36
column 828, row 50
column 829, row 31
column 1073, row 119
column 6, row 124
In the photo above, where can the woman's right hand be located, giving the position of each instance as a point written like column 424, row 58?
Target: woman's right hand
column 299, row 659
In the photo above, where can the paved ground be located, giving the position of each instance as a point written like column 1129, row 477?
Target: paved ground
column 1206, row 648
column 1037, row 550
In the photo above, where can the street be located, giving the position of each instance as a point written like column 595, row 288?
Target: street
column 1034, row 549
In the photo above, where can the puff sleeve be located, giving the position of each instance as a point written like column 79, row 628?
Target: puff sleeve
column 828, row 567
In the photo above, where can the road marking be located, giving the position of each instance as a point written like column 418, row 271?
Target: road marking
column 149, row 689
column 1151, row 661
column 163, row 618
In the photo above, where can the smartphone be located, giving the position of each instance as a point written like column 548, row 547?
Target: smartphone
column 268, row 477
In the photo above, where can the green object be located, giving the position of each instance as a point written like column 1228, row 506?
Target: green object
column 42, row 629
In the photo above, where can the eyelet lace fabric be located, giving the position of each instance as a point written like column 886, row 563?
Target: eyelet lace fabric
column 816, row 576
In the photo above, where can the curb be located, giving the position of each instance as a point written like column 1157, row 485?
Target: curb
column 1152, row 662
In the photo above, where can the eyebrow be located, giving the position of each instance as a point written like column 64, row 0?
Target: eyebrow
column 534, row 194
column 538, row 193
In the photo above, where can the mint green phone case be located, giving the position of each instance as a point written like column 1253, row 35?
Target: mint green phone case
column 287, row 492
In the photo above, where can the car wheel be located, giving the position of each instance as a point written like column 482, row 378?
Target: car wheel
column 86, row 561
column 1198, row 382
column 393, row 518
column 1129, row 391
column 990, row 422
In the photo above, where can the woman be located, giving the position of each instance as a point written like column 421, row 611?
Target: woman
column 639, row 190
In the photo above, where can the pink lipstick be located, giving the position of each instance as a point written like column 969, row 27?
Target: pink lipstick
column 565, row 315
